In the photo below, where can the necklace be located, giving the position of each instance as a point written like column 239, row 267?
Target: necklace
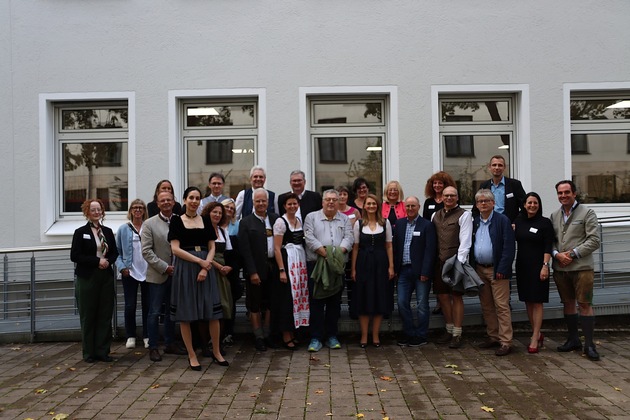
column 191, row 217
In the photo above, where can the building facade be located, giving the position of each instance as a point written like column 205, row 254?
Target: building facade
column 106, row 98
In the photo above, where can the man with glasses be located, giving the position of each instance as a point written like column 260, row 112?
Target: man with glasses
column 216, row 181
column 453, row 226
column 576, row 239
column 309, row 200
column 156, row 250
column 325, row 231
column 492, row 255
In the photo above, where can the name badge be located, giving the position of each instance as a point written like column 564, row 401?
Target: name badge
column 86, row 236
column 416, row 233
column 510, row 195
column 431, row 206
column 533, row 230
column 352, row 216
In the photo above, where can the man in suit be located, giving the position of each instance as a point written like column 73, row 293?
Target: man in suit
column 309, row 200
column 216, row 181
column 156, row 250
column 509, row 194
column 255, row 238
column 415, row 247
column 576, row 239
column 244, row 200
column 492, row 255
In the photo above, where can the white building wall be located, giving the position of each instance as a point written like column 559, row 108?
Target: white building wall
column 153, row 47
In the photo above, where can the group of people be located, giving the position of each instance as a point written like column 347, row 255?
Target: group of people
column 296, row 262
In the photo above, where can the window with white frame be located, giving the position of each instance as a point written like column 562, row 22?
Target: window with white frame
column 600, row 146
column 473, row 128
column 348, row 140
column 92, row 140
column 220, row 135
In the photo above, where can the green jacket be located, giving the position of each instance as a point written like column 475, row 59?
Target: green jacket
column 328, row 273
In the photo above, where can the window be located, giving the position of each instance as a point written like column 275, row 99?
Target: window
column 219, row 135
column 92, row 141
column 473, row 129
column 348, row 135
column 600, row 133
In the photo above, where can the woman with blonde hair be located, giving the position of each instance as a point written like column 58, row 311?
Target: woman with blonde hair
column 372, row 270
column 393, row 207
column 133, row 271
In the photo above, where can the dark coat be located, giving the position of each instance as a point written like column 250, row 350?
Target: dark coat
column 83, row 250
column 252, row 242
column 423, row 249
column 514, row 203
column 503, row 243
column 311, row 201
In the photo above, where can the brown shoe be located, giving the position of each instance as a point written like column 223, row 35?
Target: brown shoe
column 154, row 355
column 456, row 342
column 504, row 350
column 489, row 343
column 444, row 338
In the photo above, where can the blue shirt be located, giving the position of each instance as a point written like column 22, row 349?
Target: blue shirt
column 483, row 242
column 411, row 226
column 499, row 195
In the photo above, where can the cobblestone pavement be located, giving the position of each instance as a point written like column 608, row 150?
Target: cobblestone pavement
column 45, row 380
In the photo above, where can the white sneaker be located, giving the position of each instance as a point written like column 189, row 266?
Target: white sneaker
column 146, row 343
column 131, row 343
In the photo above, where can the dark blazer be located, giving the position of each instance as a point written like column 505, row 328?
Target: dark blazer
column 252, row 242
column 503, row 243
column 423, row 249
column 311, row 201
column 83, row 250
column 514, row 203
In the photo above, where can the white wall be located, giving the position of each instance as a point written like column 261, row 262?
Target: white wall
column 153, row 47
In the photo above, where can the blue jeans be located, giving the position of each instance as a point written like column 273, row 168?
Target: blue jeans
column 130, row 289
column 158, row 294
column 407, row 283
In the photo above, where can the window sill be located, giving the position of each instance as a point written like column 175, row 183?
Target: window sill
column 67, row 227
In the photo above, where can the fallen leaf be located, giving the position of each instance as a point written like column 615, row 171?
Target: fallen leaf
column 457, row 372
column 329, row 414
column 319, row 391
column 41, row 391
column 452, row 366
column 155, row 386
column 72, row 369
column 487, row 409
column 308, row 403
column 383, row 390
column 15, row 348
column 60, row 416
column 326, row 365
column 386, row 378
column 313, row 358
column 370, row 393
column 253, row 395
column 617, row 389
column 414, row 382
column 138, row 353
column 385, row 418
column 58, row 368
column 51, row 413
column 83, row 389
column 360, row 416
column 481, row 393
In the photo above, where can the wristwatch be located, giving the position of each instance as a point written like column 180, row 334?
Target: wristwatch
column 572, row 255
column 547, row 263
column 281, row 270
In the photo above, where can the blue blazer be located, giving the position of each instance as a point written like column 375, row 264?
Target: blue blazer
column 423, row 248
column 503, row 243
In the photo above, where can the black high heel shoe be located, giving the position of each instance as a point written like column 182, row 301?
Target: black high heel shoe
column 195, row 368
column 220, row 363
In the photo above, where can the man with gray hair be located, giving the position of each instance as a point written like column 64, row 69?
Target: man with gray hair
column 255, row 238
column 310, row 201
column 328, row 236
column 492, row 255
column 244, row 201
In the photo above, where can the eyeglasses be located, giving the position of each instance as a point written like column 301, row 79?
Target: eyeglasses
column 331, row 200
column 484, row 201
column 137, row 208
column 449, row 195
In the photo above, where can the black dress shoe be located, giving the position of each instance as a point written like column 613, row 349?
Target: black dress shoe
column 90, row 359
column 154, row 355
column 220, row 363
column 260, row 344
column 591, row 353
column 570, row 345
column 195, row 368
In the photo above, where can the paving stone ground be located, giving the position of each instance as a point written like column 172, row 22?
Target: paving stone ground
column 44, row 380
